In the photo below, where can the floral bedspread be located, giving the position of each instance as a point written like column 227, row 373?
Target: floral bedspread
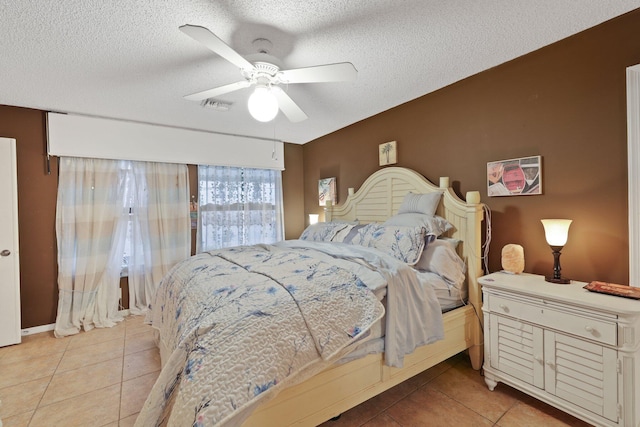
column 241, row 323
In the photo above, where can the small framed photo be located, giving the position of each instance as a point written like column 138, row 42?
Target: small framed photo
column 327, row 191
column 388, row 153
column 515, row 177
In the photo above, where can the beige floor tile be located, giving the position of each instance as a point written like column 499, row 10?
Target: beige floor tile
column 428, row 407
column 29, row 370
column 357, row 416
column 77, row 382
column 33, row 346
column 92, row 354
column 96, row 408
column 128, row 421
column 135, row 392
column 467, row 386
column 374, row 406
column 433, row 372
column 141, row 363
column 134, row 319
column 21, row 420
column 96, row 377
column 144, row 340
column 97, row 335
column 382, row 420
column 137, row 326
column 538, row 414
column 22, row 398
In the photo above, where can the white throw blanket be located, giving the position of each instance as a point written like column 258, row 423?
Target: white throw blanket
column 243, row 323
column 414, row 316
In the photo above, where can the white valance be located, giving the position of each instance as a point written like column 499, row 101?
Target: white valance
column 93, row 137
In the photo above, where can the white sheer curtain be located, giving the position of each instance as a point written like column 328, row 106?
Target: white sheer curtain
column 238, row 206
column 97, row 202
column 87, row 216
column 161, row 227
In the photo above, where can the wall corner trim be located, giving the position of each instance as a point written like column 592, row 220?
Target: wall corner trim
column 633, row 170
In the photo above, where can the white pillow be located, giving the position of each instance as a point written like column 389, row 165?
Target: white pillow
column 322, row 231
column 342, row 234
column 420, row 203
column 432, row 223
column 452, row 241
column 402, row 243
column 440, row 258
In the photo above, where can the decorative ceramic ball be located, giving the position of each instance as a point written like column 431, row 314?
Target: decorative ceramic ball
column 513, row 258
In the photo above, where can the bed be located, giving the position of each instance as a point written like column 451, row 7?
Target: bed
column 330, row 385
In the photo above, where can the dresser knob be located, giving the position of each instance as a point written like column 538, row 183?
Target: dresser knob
column 504, row 307
column 539, row 359
column 550, row 364
column 589, row 328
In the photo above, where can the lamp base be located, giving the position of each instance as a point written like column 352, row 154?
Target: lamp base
column 560, row 281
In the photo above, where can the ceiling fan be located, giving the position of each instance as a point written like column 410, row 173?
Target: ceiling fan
column 267, row 77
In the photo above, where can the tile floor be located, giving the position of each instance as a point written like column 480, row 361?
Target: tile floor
column 102, row 377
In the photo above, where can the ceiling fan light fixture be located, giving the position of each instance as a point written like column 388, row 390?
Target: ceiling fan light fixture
column 263, row 104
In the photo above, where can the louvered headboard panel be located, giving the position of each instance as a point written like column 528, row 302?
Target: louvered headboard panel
column 382, row 193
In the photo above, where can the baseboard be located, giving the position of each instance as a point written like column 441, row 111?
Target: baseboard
column 37, row 329
column 50, row 327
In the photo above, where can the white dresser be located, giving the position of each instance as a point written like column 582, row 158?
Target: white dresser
column 574, row 349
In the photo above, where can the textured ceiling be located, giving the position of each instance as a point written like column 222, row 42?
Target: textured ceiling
column 128, row 60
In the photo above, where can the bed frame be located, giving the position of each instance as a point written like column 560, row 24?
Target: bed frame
column 342, row 387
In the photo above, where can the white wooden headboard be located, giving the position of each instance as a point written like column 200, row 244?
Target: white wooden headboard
column 381, row 195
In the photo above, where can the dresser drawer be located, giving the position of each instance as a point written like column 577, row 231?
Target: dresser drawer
column 586, row 327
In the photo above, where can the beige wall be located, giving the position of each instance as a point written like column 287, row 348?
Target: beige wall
column 565, row 102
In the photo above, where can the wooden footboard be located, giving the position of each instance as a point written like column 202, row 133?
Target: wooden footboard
column 342, row 387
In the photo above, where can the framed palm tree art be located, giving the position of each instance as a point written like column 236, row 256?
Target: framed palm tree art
column 388, row 153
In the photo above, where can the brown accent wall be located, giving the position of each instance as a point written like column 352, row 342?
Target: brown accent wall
column 293, row 191
column 36, row 214
column 565, row 102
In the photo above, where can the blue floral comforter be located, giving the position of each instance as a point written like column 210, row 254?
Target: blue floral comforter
column 239, row 324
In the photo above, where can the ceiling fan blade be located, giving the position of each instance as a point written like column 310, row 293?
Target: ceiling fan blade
column 217, row 91
column 213, row 42
column 341, row 72
column 288, row 107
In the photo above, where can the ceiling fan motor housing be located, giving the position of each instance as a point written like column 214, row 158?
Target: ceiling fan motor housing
column 262, row 73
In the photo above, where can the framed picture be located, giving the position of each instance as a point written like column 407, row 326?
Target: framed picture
column 515, row 177
column 327, row 191
column 387, row 153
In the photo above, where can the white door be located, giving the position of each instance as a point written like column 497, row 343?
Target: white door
column 9, row 261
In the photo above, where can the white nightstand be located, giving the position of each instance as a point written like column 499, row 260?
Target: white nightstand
column 574, row 349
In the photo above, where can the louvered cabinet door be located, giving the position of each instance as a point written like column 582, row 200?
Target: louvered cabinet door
column 517, row 349
column 582, row 373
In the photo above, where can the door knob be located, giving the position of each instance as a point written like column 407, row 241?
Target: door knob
column 5, row 252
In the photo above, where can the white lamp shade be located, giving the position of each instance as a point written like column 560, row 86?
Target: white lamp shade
column 263, row 105
column 313, row 219
column 556, row 231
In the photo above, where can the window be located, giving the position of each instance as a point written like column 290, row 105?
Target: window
column 238, row 206
column 99, row 202
column 127, row 182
